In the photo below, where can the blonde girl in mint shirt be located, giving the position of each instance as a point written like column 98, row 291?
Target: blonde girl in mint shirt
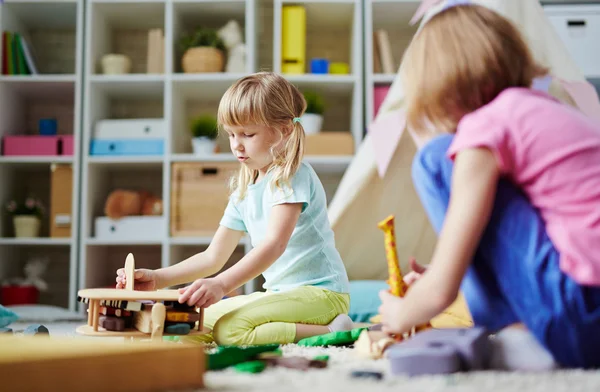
column 278, row 200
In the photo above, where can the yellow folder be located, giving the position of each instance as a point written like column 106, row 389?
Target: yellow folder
column 293, row 39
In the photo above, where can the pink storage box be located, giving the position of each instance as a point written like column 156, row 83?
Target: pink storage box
column 30, row 145
column 379, row 94
column 67, row 145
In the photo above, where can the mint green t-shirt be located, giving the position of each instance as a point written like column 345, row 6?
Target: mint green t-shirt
column 311, row 257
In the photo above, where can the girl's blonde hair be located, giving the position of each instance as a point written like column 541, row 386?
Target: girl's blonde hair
column 460, row 60
column 266, row 99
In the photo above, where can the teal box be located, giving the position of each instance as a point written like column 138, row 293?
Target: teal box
column 127, row 147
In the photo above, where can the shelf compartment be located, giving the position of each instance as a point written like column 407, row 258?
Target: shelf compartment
column 122, row 27
column 102, row 262
column 332, row 27
column 27, row 101
column 192, row 99
column 188, row 16
column 394, row 18
column 101, row 180
column 49, row 29
column 13, row 258
column 20, row 182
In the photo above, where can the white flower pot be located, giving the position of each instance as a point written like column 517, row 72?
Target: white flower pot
column 26, row 226
column 203, row 145
column 312, row 123
column 115, row 64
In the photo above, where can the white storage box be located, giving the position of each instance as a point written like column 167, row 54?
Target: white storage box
column 138, row 128
column 579, row 28
column 130, row 228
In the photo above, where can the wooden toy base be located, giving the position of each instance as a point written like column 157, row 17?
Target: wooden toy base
column 88, row 330
column 69, row 365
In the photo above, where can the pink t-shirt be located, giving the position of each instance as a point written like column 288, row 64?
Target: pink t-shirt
column 552, row 152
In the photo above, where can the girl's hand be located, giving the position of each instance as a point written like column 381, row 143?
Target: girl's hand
column 415, row 274
column 202, row 292
column 391, row 313
column 145, row 279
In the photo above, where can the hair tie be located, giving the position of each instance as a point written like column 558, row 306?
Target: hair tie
column 296, row 119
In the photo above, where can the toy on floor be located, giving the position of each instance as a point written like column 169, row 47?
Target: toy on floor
column 135, row 313
column 441, row 351
column 372, row 344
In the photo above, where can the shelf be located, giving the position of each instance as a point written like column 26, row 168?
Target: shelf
column 203, row 85
column 384, row 78
column 127, row 162
column 221, row 157
column 96, row 241
column 184, row 241
column 36, row 241
column 23, row 161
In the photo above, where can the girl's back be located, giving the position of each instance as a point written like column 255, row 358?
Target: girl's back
column 552, row 152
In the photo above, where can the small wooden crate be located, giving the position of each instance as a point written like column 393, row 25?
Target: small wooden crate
column 199, row 195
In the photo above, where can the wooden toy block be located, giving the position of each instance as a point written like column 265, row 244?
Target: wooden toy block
column 441, row 351
column 69, row 365
column 182, row 317
column 147, row 307
column 108, row 311
column 112, row 323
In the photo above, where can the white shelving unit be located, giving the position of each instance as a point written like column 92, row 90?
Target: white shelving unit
column 393, row 16
column 173, row 96
column 53, row 30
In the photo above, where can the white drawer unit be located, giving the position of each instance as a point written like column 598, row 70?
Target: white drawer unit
column 137, row 128
column 579, row 28
column 130, row 228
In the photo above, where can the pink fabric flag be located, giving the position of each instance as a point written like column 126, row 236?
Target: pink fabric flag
column 585, row 96
column 385, row 135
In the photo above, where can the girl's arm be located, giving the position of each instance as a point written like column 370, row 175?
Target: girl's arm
column 281, row 225
column 205, row 292
column 474, row 181
column 204, row 263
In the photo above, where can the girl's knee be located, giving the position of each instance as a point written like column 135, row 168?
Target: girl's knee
column 231, row 331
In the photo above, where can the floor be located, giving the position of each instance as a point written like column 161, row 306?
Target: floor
column 343, row 361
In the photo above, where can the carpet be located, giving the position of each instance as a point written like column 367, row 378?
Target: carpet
column 342, row 361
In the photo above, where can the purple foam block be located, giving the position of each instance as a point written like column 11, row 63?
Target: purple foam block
column 435, row 358
column 471, row 346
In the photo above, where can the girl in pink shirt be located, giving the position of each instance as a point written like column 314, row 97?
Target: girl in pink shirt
column 510, row 179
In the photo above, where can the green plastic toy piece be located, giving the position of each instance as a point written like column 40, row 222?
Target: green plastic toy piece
column 340, row 338
column 321, row 358
column 226, row 356
column 251, row 367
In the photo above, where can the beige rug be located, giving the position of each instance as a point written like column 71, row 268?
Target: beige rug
column 337, row 377
column 342, row 361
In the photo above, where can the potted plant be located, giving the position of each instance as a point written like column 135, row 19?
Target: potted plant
column 204, row 134
column 203, row 51
column 26, row 216
column 312, row 119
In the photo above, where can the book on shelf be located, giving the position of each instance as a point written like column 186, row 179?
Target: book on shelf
column 17, row 56
column 155, row 62
column 382, row 51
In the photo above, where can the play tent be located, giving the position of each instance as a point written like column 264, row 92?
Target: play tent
column 364, row 197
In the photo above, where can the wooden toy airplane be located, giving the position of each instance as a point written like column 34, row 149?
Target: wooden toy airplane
column 135, row 313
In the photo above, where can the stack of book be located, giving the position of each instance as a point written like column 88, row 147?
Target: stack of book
column 16, row 55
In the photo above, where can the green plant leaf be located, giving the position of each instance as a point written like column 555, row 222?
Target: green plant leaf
column 314, row 102
column 202, row 36
column 204, row 125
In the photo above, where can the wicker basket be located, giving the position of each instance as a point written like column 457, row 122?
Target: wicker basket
column 203, row 59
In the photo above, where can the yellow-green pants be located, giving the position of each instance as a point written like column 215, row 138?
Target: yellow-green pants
column 270, row 317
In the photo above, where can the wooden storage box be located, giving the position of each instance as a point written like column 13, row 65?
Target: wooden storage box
column 61, row 200
column 199, row 195
column 329, row 143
